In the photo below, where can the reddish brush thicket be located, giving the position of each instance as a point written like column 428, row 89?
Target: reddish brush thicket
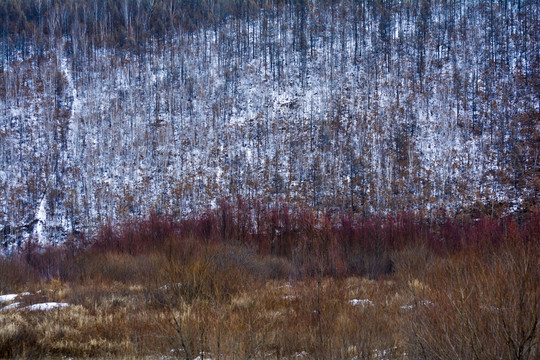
column 137, row 236
column 315, row 242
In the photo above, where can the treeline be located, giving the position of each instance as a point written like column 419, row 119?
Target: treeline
column 328, row 243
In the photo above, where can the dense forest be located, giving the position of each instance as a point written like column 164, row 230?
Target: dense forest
column 112, row 109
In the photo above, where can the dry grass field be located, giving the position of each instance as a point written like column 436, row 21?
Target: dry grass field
column 185, row 296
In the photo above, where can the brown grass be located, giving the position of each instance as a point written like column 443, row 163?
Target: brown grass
column 188, row 297
column 221, row 301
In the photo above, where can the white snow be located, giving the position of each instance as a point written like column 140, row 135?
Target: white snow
column 41, row 306
column 8, row 297
column 171, row 286
column 11, row 297
column 46, row 306
column 363, row 302
column 202, row 357
column 420, row 303
column 11, row 306
column 41, row 217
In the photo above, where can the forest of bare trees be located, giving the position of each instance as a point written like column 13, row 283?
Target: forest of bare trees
column 111, row 109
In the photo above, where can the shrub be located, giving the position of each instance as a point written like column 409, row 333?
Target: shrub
column 480, row 307
column 15, row 275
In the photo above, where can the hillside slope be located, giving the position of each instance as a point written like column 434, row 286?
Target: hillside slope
column 375, row 107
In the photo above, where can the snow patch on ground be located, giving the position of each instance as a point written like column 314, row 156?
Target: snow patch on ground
column 11, row 306
column 361, row 302
column 41, row 306
column 420, row 303
column 11, row 297
column 203, row 356
column 8, row 297
column 171, row 286
column 46, row 306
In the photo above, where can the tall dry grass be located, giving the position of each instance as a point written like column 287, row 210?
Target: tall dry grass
column 243, row 282
column 482, row 306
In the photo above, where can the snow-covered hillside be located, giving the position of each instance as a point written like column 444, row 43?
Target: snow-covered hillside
column 374, row 108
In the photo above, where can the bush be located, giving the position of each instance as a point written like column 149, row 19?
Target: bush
column 480, row 307
column 15, row 275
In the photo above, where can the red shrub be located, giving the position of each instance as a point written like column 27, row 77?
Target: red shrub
column 331, row 242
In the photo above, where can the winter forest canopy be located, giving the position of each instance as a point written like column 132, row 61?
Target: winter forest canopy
column 111, row 109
